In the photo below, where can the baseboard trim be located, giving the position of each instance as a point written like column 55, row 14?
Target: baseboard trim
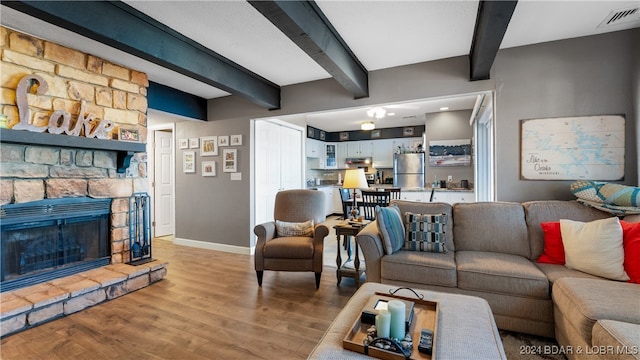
column 213, row 246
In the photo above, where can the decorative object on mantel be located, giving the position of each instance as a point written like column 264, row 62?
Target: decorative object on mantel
column 570, row 148
column 236, row 140
column 230, row 160
column 209, row 146
column 59, row 120
column 128, row 134
column 189, row 162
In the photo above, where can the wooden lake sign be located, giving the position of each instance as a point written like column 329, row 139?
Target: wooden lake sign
column 60, row 120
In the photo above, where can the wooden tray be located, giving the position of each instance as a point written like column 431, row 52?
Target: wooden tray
column 425, row 317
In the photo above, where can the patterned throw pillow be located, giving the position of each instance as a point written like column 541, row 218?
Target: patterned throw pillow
column 390, row 227
column 425, row 232
column 284, row 228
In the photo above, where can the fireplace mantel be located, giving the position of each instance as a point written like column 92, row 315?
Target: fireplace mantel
column 125, row 149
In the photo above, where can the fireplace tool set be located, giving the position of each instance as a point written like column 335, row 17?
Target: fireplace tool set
column 140, row 228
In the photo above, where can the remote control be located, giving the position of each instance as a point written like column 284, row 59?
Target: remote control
column 426, row 341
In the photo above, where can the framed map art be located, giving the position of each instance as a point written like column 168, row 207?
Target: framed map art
column 573, row 148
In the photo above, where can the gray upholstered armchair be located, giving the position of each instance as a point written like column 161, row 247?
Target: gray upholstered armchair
column 293, row 253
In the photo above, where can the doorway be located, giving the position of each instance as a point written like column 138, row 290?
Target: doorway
column 162, row 178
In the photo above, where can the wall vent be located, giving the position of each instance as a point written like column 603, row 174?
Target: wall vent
column 621, row 16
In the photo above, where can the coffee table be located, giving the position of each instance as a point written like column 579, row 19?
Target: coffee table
column 466, row 328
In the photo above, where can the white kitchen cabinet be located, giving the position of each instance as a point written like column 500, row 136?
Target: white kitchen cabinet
column 383, row 153
column 461, row 197
column 314, row 148
column 328, row 159
column 328, row 199
column 414, row 196
column 337, row 201
column 360, row 149
column 341, row 154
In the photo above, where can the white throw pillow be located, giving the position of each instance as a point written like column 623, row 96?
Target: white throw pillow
column 594, row 247
column 284, row 228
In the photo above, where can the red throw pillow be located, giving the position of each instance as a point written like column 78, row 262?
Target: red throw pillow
column 553, row 252
column 631, row 243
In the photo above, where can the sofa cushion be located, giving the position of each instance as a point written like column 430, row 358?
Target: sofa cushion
column 491, row 226
column 594, row 247
column 293, row 247
column 553, row 272
column 622, row 336
column 537, row 212
column 553, row 248
column 391, row 228
column 430, row 208
column 425, row 232
column 631, row 242
column 500, row 273
column 585, row 301
column 420, row 267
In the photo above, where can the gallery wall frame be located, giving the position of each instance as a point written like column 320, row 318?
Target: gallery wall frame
column 208, row 168
column 189, row 162
column 209, row 146
column 230, row 160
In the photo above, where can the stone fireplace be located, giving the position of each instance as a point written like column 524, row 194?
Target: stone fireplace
column 45, row 167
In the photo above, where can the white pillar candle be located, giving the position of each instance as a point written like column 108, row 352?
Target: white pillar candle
column 383, row 323
column 397, row 310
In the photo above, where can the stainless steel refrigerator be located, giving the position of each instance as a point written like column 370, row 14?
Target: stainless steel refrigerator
column 408, row 170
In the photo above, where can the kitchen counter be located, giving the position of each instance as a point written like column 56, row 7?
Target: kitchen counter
column 382, row 186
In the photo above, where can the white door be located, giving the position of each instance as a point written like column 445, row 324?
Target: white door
column 163, row 180
column 278, row 165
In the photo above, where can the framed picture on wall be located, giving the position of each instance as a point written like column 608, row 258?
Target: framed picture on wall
column 189, row 162
column 209, row 146
column 407, row 131
column 344, row 136
column 223, row 140
column 230, row 160
column 193, row 143
column 236, row 140
column 184, row 143
column 208, row 168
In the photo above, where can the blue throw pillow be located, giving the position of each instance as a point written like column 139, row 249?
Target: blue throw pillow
column 390, row 227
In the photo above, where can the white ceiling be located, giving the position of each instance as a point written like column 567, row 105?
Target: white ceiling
column 381, row 34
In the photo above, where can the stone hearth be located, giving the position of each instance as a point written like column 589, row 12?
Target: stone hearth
column 37, row 304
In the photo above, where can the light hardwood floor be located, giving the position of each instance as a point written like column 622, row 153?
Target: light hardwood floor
column 209, row 306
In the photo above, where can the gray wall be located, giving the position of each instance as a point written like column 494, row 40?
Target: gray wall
column 213, row 209
column 584, row 76
column 636, row 94
column 449, row 125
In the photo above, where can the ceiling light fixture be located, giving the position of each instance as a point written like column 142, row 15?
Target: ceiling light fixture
column 377, row 112
column 367, row 125
column 444, row 108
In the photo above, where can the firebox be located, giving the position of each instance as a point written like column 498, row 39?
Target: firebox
column 51, row 238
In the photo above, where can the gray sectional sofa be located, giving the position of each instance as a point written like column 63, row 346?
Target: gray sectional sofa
column 492, row 251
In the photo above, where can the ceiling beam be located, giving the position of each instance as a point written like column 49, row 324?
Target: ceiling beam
column 122, row 27
column 307, row 26
column 491, row 25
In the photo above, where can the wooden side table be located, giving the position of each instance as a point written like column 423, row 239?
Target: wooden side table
column 345, row 269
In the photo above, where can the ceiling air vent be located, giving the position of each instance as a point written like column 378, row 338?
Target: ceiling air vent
column 621, row 16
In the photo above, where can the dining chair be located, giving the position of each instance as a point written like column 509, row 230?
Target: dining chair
column 371, row 199
column 347, row 202
column 394, row 193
